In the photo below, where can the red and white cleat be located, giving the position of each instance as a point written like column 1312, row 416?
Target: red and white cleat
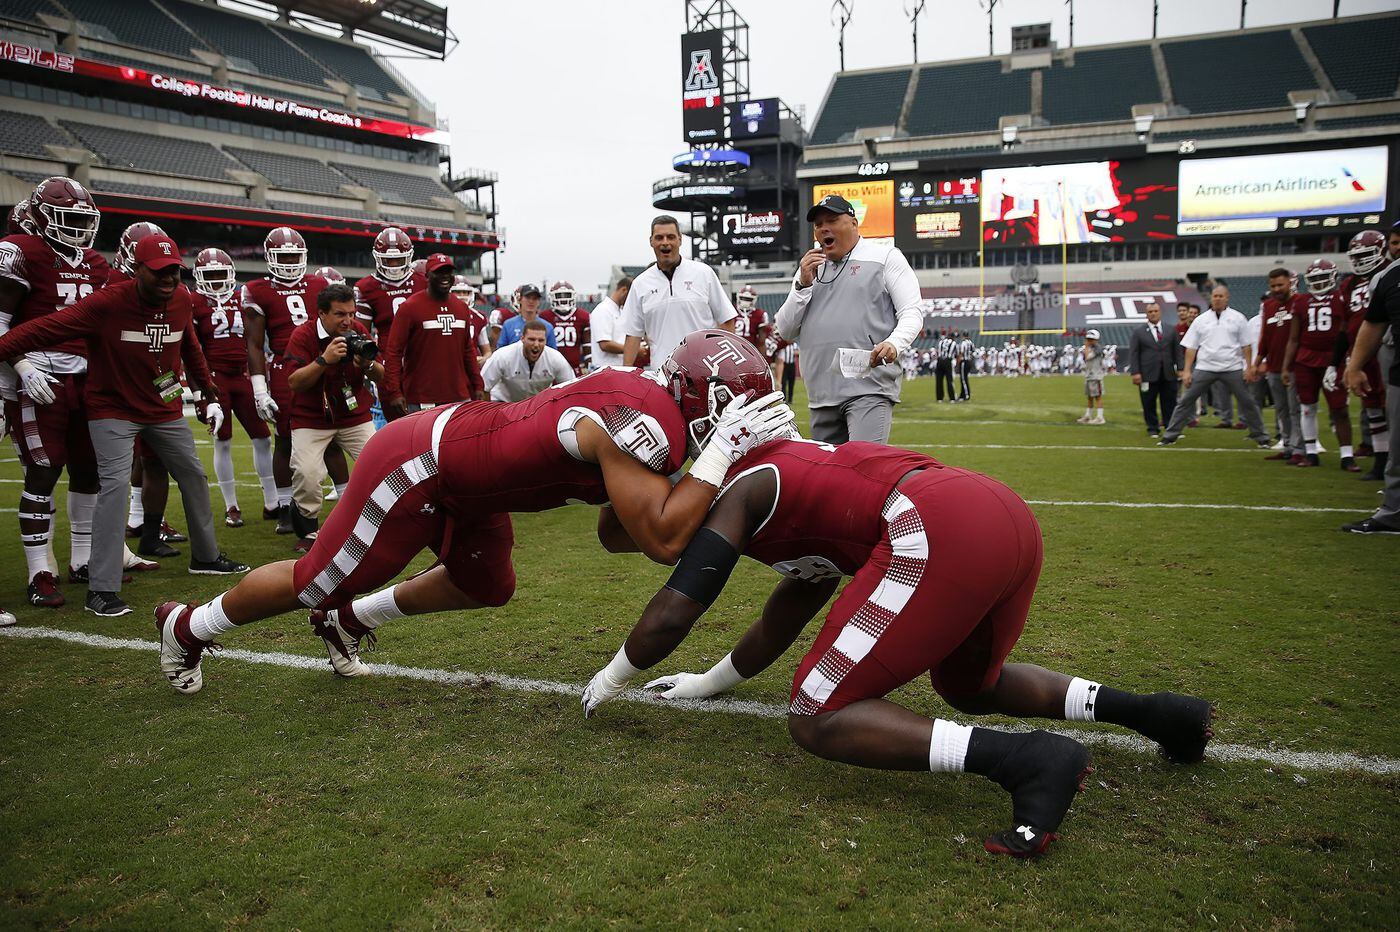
column 179, row 663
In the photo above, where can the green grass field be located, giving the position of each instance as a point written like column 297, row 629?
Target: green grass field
column 282, row 797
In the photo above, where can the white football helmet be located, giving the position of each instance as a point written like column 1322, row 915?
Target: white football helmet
column 393, row 255
column 747, row 298
column 285, row 250
column 563, row 298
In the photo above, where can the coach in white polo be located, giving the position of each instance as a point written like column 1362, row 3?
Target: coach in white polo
column 1219, row 350
column 672, row 298
column 850, row 293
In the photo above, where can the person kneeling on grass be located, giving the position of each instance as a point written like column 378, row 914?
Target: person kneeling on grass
column 1093, row 379
column 944, row 564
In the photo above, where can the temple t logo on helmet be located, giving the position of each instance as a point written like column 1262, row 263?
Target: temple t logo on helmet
column 127, row 247
column 1366, row 252
column 214, row 274
column 1321, row 276
column 708, row 370
column 285, row 250
column 563, row 298
column 393, row 255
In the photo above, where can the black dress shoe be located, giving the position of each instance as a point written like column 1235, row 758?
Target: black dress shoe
column 157, row 548
column 106, row 604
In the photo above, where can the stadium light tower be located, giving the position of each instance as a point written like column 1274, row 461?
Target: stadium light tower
column 845, row 8
column 914, row 11
column 990, row 6
column 1070, row 4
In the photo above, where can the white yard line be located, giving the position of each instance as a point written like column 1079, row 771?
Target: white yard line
column 1074, row 446
column 1330, row 761
column 1212, row 507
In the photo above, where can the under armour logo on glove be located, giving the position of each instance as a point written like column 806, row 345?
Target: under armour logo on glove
column 1026, row 832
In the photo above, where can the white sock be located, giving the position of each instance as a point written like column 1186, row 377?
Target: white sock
column 209, row 620
column 376, row 608
column 1080, row 699
column 1310, row 442
column 138, row 511
column 81, row 506
column 1380, row 430
column 223, row 470
column 1088, row 412
column 284, row 495
column 38, row 554
column 1346, row 452
column 262, row 465
column 340, row 488
column 947, row 752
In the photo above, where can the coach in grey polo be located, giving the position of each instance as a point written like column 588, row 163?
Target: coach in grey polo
column 850, row 293
column 1219, row 349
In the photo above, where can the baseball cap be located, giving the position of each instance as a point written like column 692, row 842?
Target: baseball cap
column 157, row 252
column 1091, row 335
column 436, row 261
column 832, row 202
column 529, row 290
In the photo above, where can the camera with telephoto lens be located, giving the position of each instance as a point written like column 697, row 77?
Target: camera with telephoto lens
column 360, row 348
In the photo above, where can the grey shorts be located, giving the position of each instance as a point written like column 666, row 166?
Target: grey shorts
column 1093, row 388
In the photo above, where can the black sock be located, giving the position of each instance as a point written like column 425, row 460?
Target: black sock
column 986, row 749
column 150, row 529
column 1118, row 707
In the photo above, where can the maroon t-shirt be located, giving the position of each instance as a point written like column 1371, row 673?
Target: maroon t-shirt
column 430, row 356
column 327, row 404
column 1278, row 320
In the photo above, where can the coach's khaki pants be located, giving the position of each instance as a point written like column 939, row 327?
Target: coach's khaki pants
column 309, row 460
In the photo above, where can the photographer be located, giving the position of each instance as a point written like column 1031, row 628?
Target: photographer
column 331, row 358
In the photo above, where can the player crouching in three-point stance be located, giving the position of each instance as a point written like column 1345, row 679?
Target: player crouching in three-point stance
column 943, row 563
column 448, row 478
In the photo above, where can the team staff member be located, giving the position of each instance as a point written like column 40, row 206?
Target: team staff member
column 137, row 334
column 526, row 367
column 529, row 312
column 609, row 338
column 1382, row 313
column 430, row 358
column 330, row 398
column 850, row 292
column 671, row 299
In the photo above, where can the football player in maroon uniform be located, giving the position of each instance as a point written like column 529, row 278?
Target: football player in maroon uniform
column 395, row 278
column 1367, row 253
column 1316, row 335
column 40, row 274
column 273, row 307
column 218, row 320
column 570, row 322
column 332, row 275
column 943, row 565
column 466, row 292
column 752, row 323
column 449, row 478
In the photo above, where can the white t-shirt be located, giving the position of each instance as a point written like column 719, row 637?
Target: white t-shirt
column 605, row 323
column 510, row 377
column 1217, row 340
column 664, row 311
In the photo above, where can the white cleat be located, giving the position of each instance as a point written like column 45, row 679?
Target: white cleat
column 1086, row 419
column 341, row 646
column 7, row 618
column 179, row 664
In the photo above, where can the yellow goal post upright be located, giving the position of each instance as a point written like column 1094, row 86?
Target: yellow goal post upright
column 982, row 329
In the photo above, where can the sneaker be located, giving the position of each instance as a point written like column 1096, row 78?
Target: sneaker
column 1167, row 441
column 1279, row 445
column 1098, row 420
column 1297, row 459
column 43, row 591
column 219, row 566
column 157, row 549
column 233, row 517
column 179, row 663
column 1181, row 726
column 1349, row 465
column 1277, row 456
column 106, row 604
column 342, row 646
column 79, row 575
column 1371, row 526
column 7, row 618
column 1262, row 444
column 1042, row 773
column 284, row 520
column 170, row 535
column 1086, row 419
column 137, row 565
column 1309, row 461
column 332, row 495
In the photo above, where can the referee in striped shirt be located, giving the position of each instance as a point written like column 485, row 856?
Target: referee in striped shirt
column 943, row 369
column 965, row 350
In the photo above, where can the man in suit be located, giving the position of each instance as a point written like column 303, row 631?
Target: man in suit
column 1155, row 356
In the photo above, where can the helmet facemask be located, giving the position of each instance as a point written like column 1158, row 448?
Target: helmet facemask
column 73, row 226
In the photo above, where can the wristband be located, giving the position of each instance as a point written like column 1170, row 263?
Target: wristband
column 320, row 361
column 259, row 384
column 723, row 676
column 711, row 466
column 619, row 670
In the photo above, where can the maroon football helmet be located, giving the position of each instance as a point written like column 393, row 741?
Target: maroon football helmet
column 708, row 370
column 285, row 250
column 20, row 221
column 214, row 274
column 393, row 255
column 1366, row 252
column 64, row 213
column 130, row 237
column 420, row 266
column 1321, row 276
column 331, row 274
column 563, row 298
column 747, row 298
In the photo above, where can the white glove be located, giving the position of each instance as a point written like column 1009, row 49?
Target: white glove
column 742, row 426
column 262, row 400
column 608, row 682
column 214, row 414
column 35, row 382
column 1329, row 379
column 720, row 678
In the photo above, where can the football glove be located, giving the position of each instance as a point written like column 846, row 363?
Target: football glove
column 262, row 400
column 35, row 382
column 719, row 678
column 1329, row 379
column 608, row 682
column 214, row 415
column 742, row 426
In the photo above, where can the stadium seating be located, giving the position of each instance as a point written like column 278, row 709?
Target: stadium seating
column 1103, row 85
column 859, row 100
column 1384, row 119
column 134, row 22
column 1249, row 71
column 27, row 11
column 1245, row 292
column 1354, row 57
column 1226, row 132
column 171, row 194
column 347, row 62
column 396, row 187
column 122, row 148
column 291, row 172
column 967, row 98
column 25, row 134
column 323, row 209
column 250, row 41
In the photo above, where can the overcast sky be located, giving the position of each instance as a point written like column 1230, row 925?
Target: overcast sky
column 576, row 103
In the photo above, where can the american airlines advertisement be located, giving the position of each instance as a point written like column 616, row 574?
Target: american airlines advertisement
column 1282, row 191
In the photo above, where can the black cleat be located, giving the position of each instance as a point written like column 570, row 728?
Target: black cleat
column 170, row 535
column 1167, row 441
column 106, row 604
column 157, row 548
column 1042, row 773
column 79, row 575
column 1369, row 526
column 219, row 566
column 284, row 520
column 1312, row 459
column 1349, row 465
column 1180, row 724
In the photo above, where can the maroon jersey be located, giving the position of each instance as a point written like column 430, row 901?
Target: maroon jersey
column 523, row 456
column 752, row 326
column 284, row 307
column 52, row 281
column 570, row 333
column 430, row 356
column 220, row 328
column 129, row 345
column 116, row 277
column 1356, row 289
column 340, row 397
column 1322, row 321
column 827, row 517
column 377, row 302
column 1274, row 328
